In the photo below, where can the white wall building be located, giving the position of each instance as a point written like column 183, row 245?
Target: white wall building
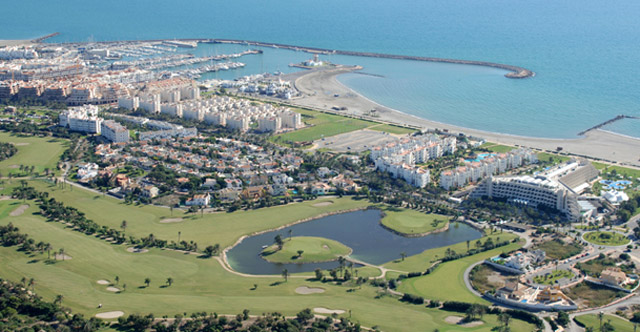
column 83, row 119
column 114, row 132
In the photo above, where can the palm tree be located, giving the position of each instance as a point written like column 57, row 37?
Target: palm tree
column 285, row 275
column 61, row 253
column 124, row 287
column 403, row 255
column 290, row 232
column 169, row 281
column 58, row 299
column 468, row 242
column 23, row 281
column 32, row 283
column 117, row 279
column 123, row 225
column 48, row 247
column 147, row 281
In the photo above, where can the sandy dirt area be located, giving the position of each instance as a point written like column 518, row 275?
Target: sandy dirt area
column 20, row 210
column 59, row 257
column 309, row 290
column 137, row 250
column 171, row 220
column 327, row 203
column 328, row 311
column 457, row 319
column 21, row 144
column 110, row 314
column 103, row 282
column 113, row 289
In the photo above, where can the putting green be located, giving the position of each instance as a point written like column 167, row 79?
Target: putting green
column 313, row 250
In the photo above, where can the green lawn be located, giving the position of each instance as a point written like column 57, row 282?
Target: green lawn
column 387, row 128
column 315, row 249
column 497, row 148
column 223, row 228
column 553, row 277
column 553, row 158
column 199, row 284
column 593, row 321
column 447, row 281
column 41, row 152
column 411, row 222
column 606, row 238
column 323, row 125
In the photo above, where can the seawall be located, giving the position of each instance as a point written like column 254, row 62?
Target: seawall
column 515, row 71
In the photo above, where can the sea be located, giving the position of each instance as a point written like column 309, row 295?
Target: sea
column 585, row 53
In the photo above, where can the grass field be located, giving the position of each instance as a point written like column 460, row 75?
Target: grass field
column 41, row 152
column 588, row 295
column 410, row 222
column 557, row 249
column 315, row 249
column 497, row 148
column 199, row 284
column 222, row 228
column 553, row 277
column 606, row 238
column 447, row 281
column 553, row 158
column 593, row 321
column 323, row 125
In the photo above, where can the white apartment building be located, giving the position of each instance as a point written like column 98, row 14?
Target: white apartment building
column 531, row 191
column 130, row 103
column 239, row 123
column 114, row 132
column 83, row 119
column 271, row 124
column 474, row 171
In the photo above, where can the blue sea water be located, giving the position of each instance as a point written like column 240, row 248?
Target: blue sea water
column 585, row 52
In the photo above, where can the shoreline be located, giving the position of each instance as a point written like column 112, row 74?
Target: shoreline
column 319, row 86
column 410, row 235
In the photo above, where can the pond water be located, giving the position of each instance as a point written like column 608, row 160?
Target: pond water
column 359, row 230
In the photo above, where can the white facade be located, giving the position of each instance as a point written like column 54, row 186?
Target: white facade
column 272, row 124
column 83, row 119
column 115, row 132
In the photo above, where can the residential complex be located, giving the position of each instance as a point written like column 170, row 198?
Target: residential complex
column 114, row 132
column 83, row 119
column 400, row 158
column 475, row 170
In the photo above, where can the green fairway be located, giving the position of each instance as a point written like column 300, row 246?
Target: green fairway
column 411, row 222
column 41, row 152
column 447, row 281
column 593, row 321
column 387, row 128
column 198, row 284
column 222, row 228
column 314, row 249
column 606, row 238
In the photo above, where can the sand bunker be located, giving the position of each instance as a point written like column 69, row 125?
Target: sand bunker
column 457, row 320
column 103, row 282
column 327, row 203
column 110, row 314
column 113, row 289
column 5, row 198
column 137, row 250
column 20, row 210
column 170, row 220
column 327, row 311
column 21, row 144
column 309, row 290
column 59, row 257
column 14, row 166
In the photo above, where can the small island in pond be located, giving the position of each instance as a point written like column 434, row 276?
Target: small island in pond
column 305, row 249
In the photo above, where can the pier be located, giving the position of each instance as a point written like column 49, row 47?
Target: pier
column 610, row 121
column 43, row 38
column 514, row 71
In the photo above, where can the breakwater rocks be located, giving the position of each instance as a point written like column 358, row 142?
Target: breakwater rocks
column 610, row 121
column 514, row 71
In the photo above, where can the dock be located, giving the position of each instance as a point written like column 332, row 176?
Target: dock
column 43, row 38
column 610, row 121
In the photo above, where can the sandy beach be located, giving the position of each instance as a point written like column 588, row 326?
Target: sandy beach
column 319, row 88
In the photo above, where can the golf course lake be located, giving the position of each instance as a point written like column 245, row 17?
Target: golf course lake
column 359, row 230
